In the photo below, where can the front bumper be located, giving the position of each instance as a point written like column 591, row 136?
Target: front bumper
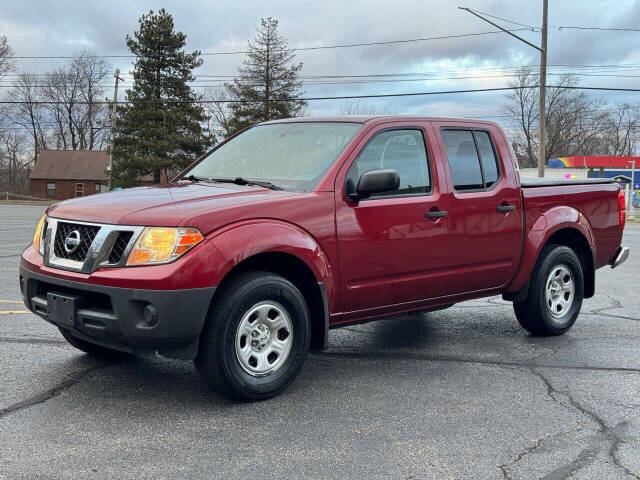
column 125, row 319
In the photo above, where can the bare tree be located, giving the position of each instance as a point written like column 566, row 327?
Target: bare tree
column 62, row 92
column 362, row 107
column 220, row 115
column 575, row 121
column 27, row 110
column 7, row 63
column 74, row 95
column 91, row 72
column 621, row 134
column 14, row 174
column 63, row 109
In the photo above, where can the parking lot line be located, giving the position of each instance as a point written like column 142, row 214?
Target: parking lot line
column 11, row 301
column 13, row 312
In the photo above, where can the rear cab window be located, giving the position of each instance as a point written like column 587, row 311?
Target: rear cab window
column 472, row 159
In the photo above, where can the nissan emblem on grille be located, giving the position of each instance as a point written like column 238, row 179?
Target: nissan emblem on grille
column 72, row 241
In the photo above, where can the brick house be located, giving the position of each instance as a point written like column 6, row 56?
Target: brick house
column 63, row 174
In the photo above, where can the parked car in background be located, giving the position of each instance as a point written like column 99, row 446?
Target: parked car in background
column 294, row 227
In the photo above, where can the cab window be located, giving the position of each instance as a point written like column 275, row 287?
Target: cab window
column 472, row 160
column 400, row 150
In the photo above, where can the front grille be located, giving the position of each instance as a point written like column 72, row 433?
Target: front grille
column 97, row 245
column 119, row 247
column 86, row 234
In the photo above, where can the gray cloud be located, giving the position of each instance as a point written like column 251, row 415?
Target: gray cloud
column 65, row 27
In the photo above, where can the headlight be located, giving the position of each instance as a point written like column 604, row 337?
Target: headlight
column 37, row 237
column 163, row 245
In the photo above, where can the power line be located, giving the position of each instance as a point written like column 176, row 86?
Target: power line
column 340, row 97
column 297, row 49
column 305, row 99
column 572, row 67
column 559, row 27
column 528, row 27
column 347, row 80
column 611, row 29
column 607, row 89
column 352, row 79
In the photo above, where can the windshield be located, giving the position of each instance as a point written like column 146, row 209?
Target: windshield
column 293, row 156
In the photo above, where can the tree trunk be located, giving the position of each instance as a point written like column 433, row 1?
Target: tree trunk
column 267, row 86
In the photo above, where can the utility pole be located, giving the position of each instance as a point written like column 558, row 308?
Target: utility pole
column 543, row 76
column 633, row 189
column 112, row 137
column 542, row 122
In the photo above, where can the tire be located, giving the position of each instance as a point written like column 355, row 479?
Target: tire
column 235, row 367
column 92, row 349
column 555, row 293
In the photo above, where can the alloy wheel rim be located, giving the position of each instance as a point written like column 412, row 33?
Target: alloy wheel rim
column 559, row 291
column 264, row 338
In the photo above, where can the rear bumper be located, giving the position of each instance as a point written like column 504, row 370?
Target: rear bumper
column 126, row 319
column 620, row 257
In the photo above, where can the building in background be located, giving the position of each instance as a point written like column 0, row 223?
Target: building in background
column 622, row 168
column 63, row 174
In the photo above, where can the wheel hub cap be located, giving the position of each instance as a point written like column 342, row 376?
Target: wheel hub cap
column 260, row 337
column 264, row 338
column 560, row 291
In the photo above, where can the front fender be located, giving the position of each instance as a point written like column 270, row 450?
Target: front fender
column 548, row 223
column 240, row 241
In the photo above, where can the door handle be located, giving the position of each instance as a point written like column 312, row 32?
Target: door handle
column 436, row 214
column 506, row 208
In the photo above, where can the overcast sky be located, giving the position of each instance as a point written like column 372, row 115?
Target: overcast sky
column 45, row 27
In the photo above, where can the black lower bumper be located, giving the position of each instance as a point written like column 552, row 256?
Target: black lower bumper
column 130, row 320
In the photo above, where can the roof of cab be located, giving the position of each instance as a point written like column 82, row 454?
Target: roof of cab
column 376, row 119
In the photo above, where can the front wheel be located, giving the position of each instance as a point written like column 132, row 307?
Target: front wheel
column 555, row 293
column 256, row 337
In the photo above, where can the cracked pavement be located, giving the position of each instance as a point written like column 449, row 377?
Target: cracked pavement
column 459, row 393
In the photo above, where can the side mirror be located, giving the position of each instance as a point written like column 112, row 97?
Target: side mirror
column 376, row 181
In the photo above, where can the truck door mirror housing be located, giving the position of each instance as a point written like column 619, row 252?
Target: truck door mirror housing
column 375, row 181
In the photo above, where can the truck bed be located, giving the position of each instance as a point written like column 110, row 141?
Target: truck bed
column 596, row 199
column 561, row 182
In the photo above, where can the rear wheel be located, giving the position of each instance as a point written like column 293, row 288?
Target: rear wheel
column 92, row 349
column 256, row 337
column 555, row 293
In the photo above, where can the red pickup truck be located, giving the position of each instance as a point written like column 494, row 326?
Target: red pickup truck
column 290, row 228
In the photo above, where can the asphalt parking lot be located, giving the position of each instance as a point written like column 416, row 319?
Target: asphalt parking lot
column 461, row 393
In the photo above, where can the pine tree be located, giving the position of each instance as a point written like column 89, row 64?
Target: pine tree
column 268, row 80
column 160, row 128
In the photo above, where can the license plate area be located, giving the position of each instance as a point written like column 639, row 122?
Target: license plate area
column 62, row 308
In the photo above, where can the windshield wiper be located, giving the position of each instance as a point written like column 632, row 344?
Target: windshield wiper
column 193, row 178
column 245, row 181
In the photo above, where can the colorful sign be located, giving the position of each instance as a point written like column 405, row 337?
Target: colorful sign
column 594, row 162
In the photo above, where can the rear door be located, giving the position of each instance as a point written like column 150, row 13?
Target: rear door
column 485, row 206
column 390, row 251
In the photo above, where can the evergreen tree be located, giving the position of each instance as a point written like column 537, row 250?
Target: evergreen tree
column 268, row 80
column 160, row 128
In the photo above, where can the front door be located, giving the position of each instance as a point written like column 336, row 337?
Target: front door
column 389, row 251
column 485, row 208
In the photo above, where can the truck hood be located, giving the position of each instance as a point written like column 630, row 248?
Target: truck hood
column 161, row 205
